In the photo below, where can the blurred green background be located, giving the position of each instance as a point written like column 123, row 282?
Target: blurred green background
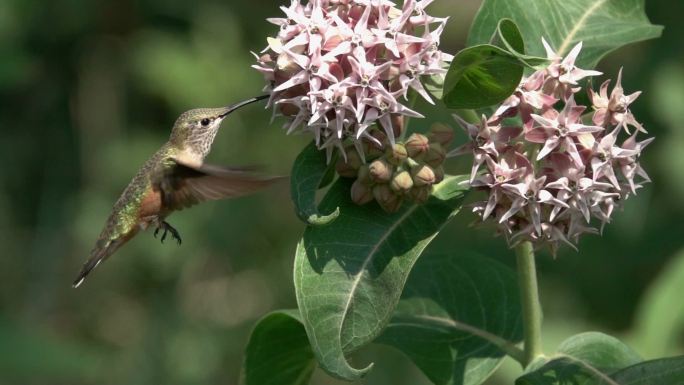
column 90, row 89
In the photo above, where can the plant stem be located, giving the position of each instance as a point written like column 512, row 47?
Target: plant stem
column 529, row 295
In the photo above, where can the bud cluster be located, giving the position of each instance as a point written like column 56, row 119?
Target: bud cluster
column 338, row 68
column 399, row 172
column 549, row 167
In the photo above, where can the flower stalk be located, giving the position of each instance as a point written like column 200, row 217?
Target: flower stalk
column 529, row 296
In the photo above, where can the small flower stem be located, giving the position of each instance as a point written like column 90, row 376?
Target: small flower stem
column 529, row 295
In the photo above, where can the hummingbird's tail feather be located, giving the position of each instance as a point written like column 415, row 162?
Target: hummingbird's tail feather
column 102, row 250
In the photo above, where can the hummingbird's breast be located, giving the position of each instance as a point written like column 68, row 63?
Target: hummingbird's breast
column 141, row 201
column 150, row 204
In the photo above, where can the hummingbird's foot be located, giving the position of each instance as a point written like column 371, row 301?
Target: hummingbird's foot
column 167, row 229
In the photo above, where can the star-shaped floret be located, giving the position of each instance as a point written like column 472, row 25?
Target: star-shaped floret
column 380, row 109
column 614, row 109
column 560, row 129
column 563, row 74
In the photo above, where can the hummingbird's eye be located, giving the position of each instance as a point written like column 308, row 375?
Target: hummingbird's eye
column 205, row 122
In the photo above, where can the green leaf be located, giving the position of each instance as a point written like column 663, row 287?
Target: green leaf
column 486, row 74
column 583, row 359
column 457, row 316
column 508, row 37
column 602, row 351
column 349, row 274
column 480, row 76
column 308, row 173
column 666, row 371
column 278, row 352
column 660, row 319
column 568, row 371
column 602, row 25
column 434, row 84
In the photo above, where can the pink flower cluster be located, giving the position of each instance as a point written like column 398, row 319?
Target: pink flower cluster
column 338, row 67
column 554, row 168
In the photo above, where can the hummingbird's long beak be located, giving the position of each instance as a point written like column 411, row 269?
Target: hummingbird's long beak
column 235, row 106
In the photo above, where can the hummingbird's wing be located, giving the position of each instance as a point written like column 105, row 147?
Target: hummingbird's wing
column 185, row 185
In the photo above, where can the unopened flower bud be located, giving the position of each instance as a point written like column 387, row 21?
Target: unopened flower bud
column 363, row 175
column 402, row 182
column 353, row 158
column 396, row 154
column 375, row 149
column 380, row 171
column 288, row 109
column 348, row 167
column 435, row 155
column 361, row 193
column 345, row 170
column 423, row 175
column 386, row 198
column 417, row 144
column 441, row 134
column 439, row 174
column 420, row 194
column 397, row 124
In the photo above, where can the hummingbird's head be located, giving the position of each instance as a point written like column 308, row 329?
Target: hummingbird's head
column 196, row 129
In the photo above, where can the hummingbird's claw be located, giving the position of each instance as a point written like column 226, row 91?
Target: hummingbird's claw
column 167, row 229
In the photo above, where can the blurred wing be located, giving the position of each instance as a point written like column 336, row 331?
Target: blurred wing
column 185, row 186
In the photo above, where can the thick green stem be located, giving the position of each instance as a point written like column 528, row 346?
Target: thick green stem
column 529, row 295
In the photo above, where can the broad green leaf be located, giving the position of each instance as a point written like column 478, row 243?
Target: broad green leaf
column 602, row 351
column 564, row 370
column 508, row 37
column 480, row 76
column 278, row 352
column 308, row 173
column 486, row 74
column 660, row 319
column 568, row 371
column 602, row 25
column 454, row 317
column 434, row 84
column 665, row 371
column 583, row 359
column 349, row 274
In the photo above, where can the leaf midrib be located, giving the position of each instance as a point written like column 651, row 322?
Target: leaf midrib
column 589, row 367
column 421, row 320
column 371, row 254
column 580, row 23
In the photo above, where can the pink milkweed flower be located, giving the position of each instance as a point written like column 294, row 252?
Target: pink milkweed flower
column 342, row 68
column 560, row 129
column 551, row 180
column 614, row 110
column 527, row 98
column 563, row 74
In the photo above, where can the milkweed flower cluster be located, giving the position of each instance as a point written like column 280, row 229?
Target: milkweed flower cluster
column 338, row 67
column 559, row 168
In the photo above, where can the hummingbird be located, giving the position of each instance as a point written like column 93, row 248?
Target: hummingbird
column 174, row 178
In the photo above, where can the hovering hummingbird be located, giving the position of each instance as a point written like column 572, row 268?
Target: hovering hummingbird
column 174, row 178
